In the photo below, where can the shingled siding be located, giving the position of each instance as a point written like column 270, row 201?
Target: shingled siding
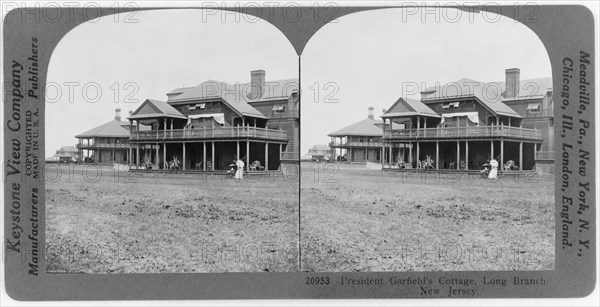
column 464, row 106
column 291, row 127
column 546, row 125
column 211, row 107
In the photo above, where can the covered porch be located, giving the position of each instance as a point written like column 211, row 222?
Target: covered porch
column 207, row 155
column 460, row 154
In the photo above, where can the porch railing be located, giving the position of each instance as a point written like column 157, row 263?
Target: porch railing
column 210, row 132
column 356, row 144
column 470, row 131
column 102, row 145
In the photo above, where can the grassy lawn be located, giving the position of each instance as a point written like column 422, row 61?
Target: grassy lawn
column 170, row 223
column 367, row 220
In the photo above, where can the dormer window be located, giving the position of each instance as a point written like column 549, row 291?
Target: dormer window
column 202, row 106
column 279, row 109
column 450, row 105
column 533, row 108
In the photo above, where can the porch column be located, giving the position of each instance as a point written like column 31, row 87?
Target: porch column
column 521, row 154
column 467, row 155
column 212, row 157
column 171, row 128
column 281, row 150
column 247, row 154
column 418, row 129
column 137, row 154
column 491, row 150
column 183, row 166
column 157, row 153
column 367, row 153
column 237, row 152
column 204, row 156
column 437, row 155
column 534, row 151
column 410, row 157
column 382, row 156
column 458, row 155
column 164, row 127
column 390, row 156
column 501, row 154
column 164, row 155
column 418, row 153
column 129, row 158
column 267, row 156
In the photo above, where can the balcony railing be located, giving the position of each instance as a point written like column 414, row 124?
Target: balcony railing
column 544, row 155
column 102, row 145
column 472, row 131
column 211, row 133
column 355, row 144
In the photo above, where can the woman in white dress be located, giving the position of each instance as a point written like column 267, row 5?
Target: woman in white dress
column 239, row 172
column 494, row 169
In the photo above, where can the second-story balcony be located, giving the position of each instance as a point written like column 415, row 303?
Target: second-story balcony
column 102, row 145
column 376, row 144
column 474, row 132
column 210, row 133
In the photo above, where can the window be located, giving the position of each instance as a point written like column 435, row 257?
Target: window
column 451, row 105
column 533, row 108
column 279, row 109
column 202, row 106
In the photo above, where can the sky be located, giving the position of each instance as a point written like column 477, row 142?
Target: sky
column 364, row 59
column 163, row 50
column 372, row 58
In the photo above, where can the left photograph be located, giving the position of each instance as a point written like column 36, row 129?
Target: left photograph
column 172, row 145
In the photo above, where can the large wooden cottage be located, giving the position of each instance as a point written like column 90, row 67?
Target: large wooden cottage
column 463, row 124
column 358, row 142
column 206, row 126
column 107, row 143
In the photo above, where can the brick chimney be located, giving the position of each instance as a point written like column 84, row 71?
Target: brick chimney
column 257, row 83
column 118, row 114
column 371, row 113
column 512, row 83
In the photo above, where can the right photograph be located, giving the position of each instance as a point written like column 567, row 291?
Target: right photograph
column 427, row 141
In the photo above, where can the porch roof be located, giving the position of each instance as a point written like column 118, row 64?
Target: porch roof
column 405, row 107
column 155, row 109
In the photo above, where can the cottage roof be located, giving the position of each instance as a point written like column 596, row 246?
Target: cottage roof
column 409, row 107
column 112, row 128
column 365, row 127
column 155, row 108
column 490, row 94
column 235, row 95
column 529, row 89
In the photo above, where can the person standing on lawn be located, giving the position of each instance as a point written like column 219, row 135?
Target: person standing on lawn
column 494, row 169
column 239, row 172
